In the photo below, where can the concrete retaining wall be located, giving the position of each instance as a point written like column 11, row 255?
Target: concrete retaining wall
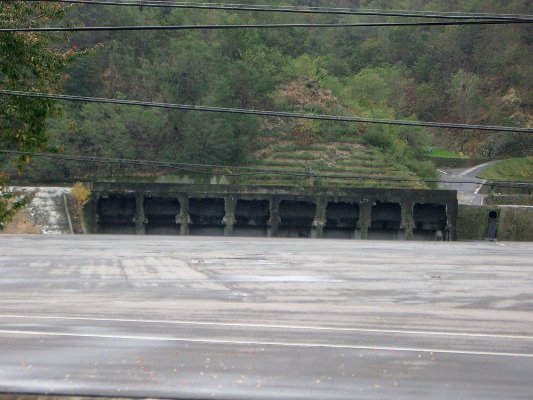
column 444, row 162
column 516, row 223
column 511, row 223
column 514, row 200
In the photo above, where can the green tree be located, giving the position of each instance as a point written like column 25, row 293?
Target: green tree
column 459, row 74
column 213, row 139
column 28, row 62
column 467, row 101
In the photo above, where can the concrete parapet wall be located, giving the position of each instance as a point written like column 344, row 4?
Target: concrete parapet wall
column 515, row 224
column 445, row 162
column 514, row 200
column 17, row 396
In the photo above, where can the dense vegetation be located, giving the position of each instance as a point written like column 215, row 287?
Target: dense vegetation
column 465, row 74
column 27, row 62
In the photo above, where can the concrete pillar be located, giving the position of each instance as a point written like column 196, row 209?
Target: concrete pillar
column 273, row 222
column 408, row 222
column 94, row 227
column 183, row 219
column 365, row 217
column 317, row 232
column 140, row 219
column 450, row 233
column 230, row 202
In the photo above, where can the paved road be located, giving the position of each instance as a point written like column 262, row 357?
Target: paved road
column 467, row 193
column 265, row 318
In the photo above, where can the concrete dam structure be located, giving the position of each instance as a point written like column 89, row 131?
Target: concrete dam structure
column 291, row 212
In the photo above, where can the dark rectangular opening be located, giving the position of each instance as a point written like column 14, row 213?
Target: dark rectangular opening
column 386, row 221
column 251, row 218
column 430, row 221
column 116, row 214
column 161, row 216
column 206, row 217
column 296, row 218
column 341, row 220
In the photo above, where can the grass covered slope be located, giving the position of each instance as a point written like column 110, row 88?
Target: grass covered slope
column 286, row 162
column 515, row 169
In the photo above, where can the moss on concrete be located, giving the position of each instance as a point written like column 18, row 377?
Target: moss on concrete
column 472, row 222
column 515, row 224
column 516, row 200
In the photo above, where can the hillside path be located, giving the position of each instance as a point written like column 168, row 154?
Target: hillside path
column 467, row 193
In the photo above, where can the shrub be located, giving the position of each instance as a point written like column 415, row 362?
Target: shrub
column 80, row 193
column 10, row 203
column 381, row 139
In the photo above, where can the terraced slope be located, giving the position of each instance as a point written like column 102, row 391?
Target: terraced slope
column 311, row 153
column 328, row 164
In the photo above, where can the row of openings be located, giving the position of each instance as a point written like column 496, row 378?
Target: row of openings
column 117, row 214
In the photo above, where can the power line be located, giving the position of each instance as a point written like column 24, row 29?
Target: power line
column 251, row 171
column 281, row 114
column 302, row 10
column 259, row 26
column 128, row 161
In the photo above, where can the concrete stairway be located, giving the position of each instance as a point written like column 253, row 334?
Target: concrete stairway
column 47, row 209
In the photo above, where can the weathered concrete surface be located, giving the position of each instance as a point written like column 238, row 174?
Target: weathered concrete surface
column 514, row 200
column 213, row 210
column 472, row 222
column 186, row 317
column 47, row 208
column 513, row 223
column 9, row 396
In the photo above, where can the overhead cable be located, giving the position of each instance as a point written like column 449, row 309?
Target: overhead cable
column 258, row 26
column 228, row 170
column 281, row 114
column 300, row 9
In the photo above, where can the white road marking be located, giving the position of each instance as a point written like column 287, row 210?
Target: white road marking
column 271, row 326
column 480, row 186
column 442, row 172
column 260, row 343
column 474, row 168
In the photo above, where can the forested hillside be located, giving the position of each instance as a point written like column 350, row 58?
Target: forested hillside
column 464, row 74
